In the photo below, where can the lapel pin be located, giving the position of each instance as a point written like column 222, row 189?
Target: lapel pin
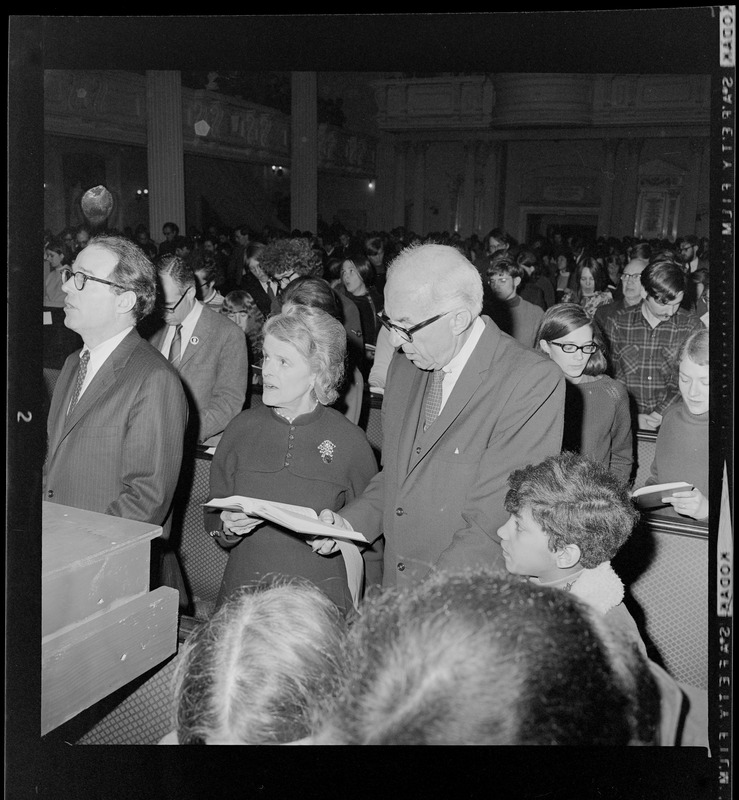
column 194, row 340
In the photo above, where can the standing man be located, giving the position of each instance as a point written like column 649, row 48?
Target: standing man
column 464, row 404
column 205, row 347
column 170, row 231
column 631, row 289
column 645, row 339
column 118, row 414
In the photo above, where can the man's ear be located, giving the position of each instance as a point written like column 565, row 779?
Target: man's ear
column 461, row 320
column 516, row 283
column 126, row 301
column 568, row 556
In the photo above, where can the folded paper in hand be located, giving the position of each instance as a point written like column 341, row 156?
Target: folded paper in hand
column 651, row 496
column 300, row 519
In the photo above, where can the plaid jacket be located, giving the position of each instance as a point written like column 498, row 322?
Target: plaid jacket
column 645, row 358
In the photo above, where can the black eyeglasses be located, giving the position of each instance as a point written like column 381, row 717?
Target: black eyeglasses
column 172, row 309
column 568, row 347
column 406, row 334
column 81, row 278
column 630, row 276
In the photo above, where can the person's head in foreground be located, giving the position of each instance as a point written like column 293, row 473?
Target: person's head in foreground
column 258, row 669
column 473, row 658
column 568, row 513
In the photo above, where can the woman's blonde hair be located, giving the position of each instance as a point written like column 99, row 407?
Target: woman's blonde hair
column 319, row 338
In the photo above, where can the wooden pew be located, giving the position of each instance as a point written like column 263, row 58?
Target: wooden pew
column 101, row 626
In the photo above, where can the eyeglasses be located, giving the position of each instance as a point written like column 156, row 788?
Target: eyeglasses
column 81, row 278
column 172, row 309
column 406, row 334
column 686, row 247
column 631, row 276
column 568, row 347
column 285, row 279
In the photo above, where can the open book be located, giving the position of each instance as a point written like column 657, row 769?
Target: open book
column 649, row 497
column 300, row 519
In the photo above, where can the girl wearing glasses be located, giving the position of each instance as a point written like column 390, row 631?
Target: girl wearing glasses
column 597, row 418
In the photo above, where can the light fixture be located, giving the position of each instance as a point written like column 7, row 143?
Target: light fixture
column 202, row 128
column 279, row 171
column 141, row 193
column 371, row 185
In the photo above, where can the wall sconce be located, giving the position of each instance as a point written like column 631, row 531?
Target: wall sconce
column 371, row 185
column 141, row 193
column 279, row 171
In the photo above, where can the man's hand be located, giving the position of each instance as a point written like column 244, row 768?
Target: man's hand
column 237, row 523
column 690, row 504
column 323, row 546
column 649, row 422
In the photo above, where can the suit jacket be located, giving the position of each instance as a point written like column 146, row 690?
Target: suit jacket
column 119, row 451
column 214, row 370
column 439, row 500
column 250, row 283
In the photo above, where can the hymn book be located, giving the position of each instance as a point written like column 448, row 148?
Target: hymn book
column 300, row 519
column 649, row 497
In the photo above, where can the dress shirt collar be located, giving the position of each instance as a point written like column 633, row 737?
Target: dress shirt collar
column 188, row 326
column 100, row 353
column 454, row 368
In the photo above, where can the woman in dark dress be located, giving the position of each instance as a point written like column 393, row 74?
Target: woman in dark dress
column 293, row 449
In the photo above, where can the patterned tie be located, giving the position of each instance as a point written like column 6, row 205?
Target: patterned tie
column 175, row 349
column 81, row 373
column 433, row 399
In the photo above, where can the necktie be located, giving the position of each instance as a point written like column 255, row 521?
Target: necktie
column 81, row 373
column 175, row 349
column 433, row 399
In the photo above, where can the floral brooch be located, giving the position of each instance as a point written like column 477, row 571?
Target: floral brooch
column 326, row 449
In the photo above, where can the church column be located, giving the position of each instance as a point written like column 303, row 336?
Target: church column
column 304, row 152
column 466, row 220
column 481, row 158
column 631, row 187
column 605, row 223
column 419, row 178
column 165, row 154
column 383, row 218
column 401, row 158
column 690, row 189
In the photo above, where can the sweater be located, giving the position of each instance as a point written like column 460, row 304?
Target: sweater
column 598, row 423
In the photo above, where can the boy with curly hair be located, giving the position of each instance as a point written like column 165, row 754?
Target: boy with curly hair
column 569, row 517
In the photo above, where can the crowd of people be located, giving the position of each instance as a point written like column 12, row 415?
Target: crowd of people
column 513, row 379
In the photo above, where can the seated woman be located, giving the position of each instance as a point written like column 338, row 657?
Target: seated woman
column 316, row 293
column 597, row 418
column 239, row 307
column 681, row 452
column 293, row 449
column 591, row 287
column 259, row 669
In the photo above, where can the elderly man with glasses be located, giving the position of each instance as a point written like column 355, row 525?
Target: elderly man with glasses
column 464, row 405
column 205, row 347
column 118, row 414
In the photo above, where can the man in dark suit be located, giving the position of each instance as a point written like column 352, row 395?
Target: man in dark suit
column 464, row 405
column 118, row 413
column 207, row 349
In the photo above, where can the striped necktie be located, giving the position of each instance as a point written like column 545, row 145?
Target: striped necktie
column 81, row 373
column 175, row 349
column 433, row 399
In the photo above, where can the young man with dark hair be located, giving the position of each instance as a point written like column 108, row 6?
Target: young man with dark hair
column 511, row 313
column 645, row 339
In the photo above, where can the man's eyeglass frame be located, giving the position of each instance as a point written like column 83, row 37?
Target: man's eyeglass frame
column 67, row 273
column 406, row 334
column 172, row 309
column 570, row 347
column 630, row 276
